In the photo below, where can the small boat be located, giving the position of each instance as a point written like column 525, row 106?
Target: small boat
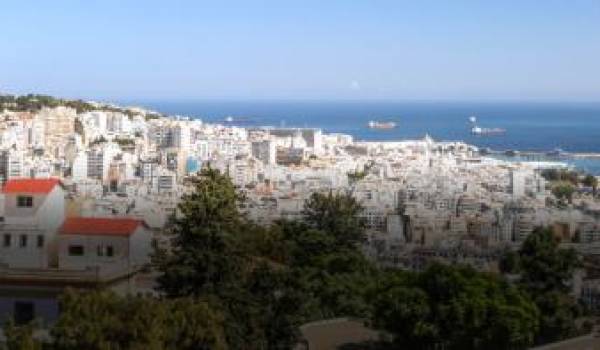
column 381, row 125
column 512, row 153
column 229, row 119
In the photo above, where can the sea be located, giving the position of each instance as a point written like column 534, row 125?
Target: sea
column 534, row 127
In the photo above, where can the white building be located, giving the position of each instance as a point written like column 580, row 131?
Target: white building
column 79, row 168
column 517, row 183
column 103, row 243
column 11, row 164
column 33, row 211
column 265, row 151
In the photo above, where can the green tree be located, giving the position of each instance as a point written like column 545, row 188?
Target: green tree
column 591, row 181
column 337, row 215
column 323, row 251
column 215, row 253
column 558, row 314
column 204, row 254
column 509, row 262
column 546, row 272
column 544, row 266
column 404, row 311
column 280, row 302
column 454, row 307
column 194, row 325
column 564, row 191
column 20, row 337
column 104, row 320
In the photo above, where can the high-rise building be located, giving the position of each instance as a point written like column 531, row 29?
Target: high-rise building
column 517, row 183
column 11, row 165
column 265, row 151
column 99, row 160
column 181, row 136
column 59, row 122
column 96, row 164
column 79, row 168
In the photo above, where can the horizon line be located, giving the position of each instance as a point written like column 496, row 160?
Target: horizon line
column 190, row 99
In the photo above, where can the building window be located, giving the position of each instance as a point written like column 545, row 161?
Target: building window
column 76, row 250
column 24, row 312
column 24, row 201
column 23, row 241
column 40, row 241
column 7, row 240
column 107, row 251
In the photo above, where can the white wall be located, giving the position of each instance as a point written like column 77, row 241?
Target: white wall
column 44, row 219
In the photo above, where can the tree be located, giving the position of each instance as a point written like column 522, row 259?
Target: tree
column 546, row 272
column 558, row 314
column 203, row 255
column 544, row 266
column 323, row 251
column 20, row 337
column 454, row 307
column 405, row 312
column 280, row 303
column 104, row 320
column 336, row 214
column 216, row 254
column 557, row 175
column 509, row 262
column 322, row 254
column 564, row 190
column 194, row 325
column 591, row 181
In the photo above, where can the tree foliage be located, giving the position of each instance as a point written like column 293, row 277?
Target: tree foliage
column 554, row 175
column 544, row 266
column 35, row 102
column 103, row 320
column 203, row 255
column 336, row 214
column 454, row 307
column 216, row 253
column 591, row 181
column 563, row 191
column 20, row 337
column 324, row 251
column 546, row 271
column 268, row 279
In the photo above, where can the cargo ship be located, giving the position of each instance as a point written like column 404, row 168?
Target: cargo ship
column 381, row 125
column 477, row 130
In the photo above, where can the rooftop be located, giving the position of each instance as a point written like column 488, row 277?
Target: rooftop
column 123, row 227
column 33, row 186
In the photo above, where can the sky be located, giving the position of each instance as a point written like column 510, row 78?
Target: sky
column 305, row 49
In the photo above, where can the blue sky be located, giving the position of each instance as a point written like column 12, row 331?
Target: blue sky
column 327, row 49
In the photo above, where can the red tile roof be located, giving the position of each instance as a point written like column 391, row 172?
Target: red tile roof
column 34, row 186
column 100, row 226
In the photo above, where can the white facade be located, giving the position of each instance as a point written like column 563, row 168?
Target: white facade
column 105, row 251
column 29, row 228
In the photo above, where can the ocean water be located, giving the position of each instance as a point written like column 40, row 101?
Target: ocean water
column 541, row 127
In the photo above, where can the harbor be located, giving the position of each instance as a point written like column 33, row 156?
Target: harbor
column 585, row 162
